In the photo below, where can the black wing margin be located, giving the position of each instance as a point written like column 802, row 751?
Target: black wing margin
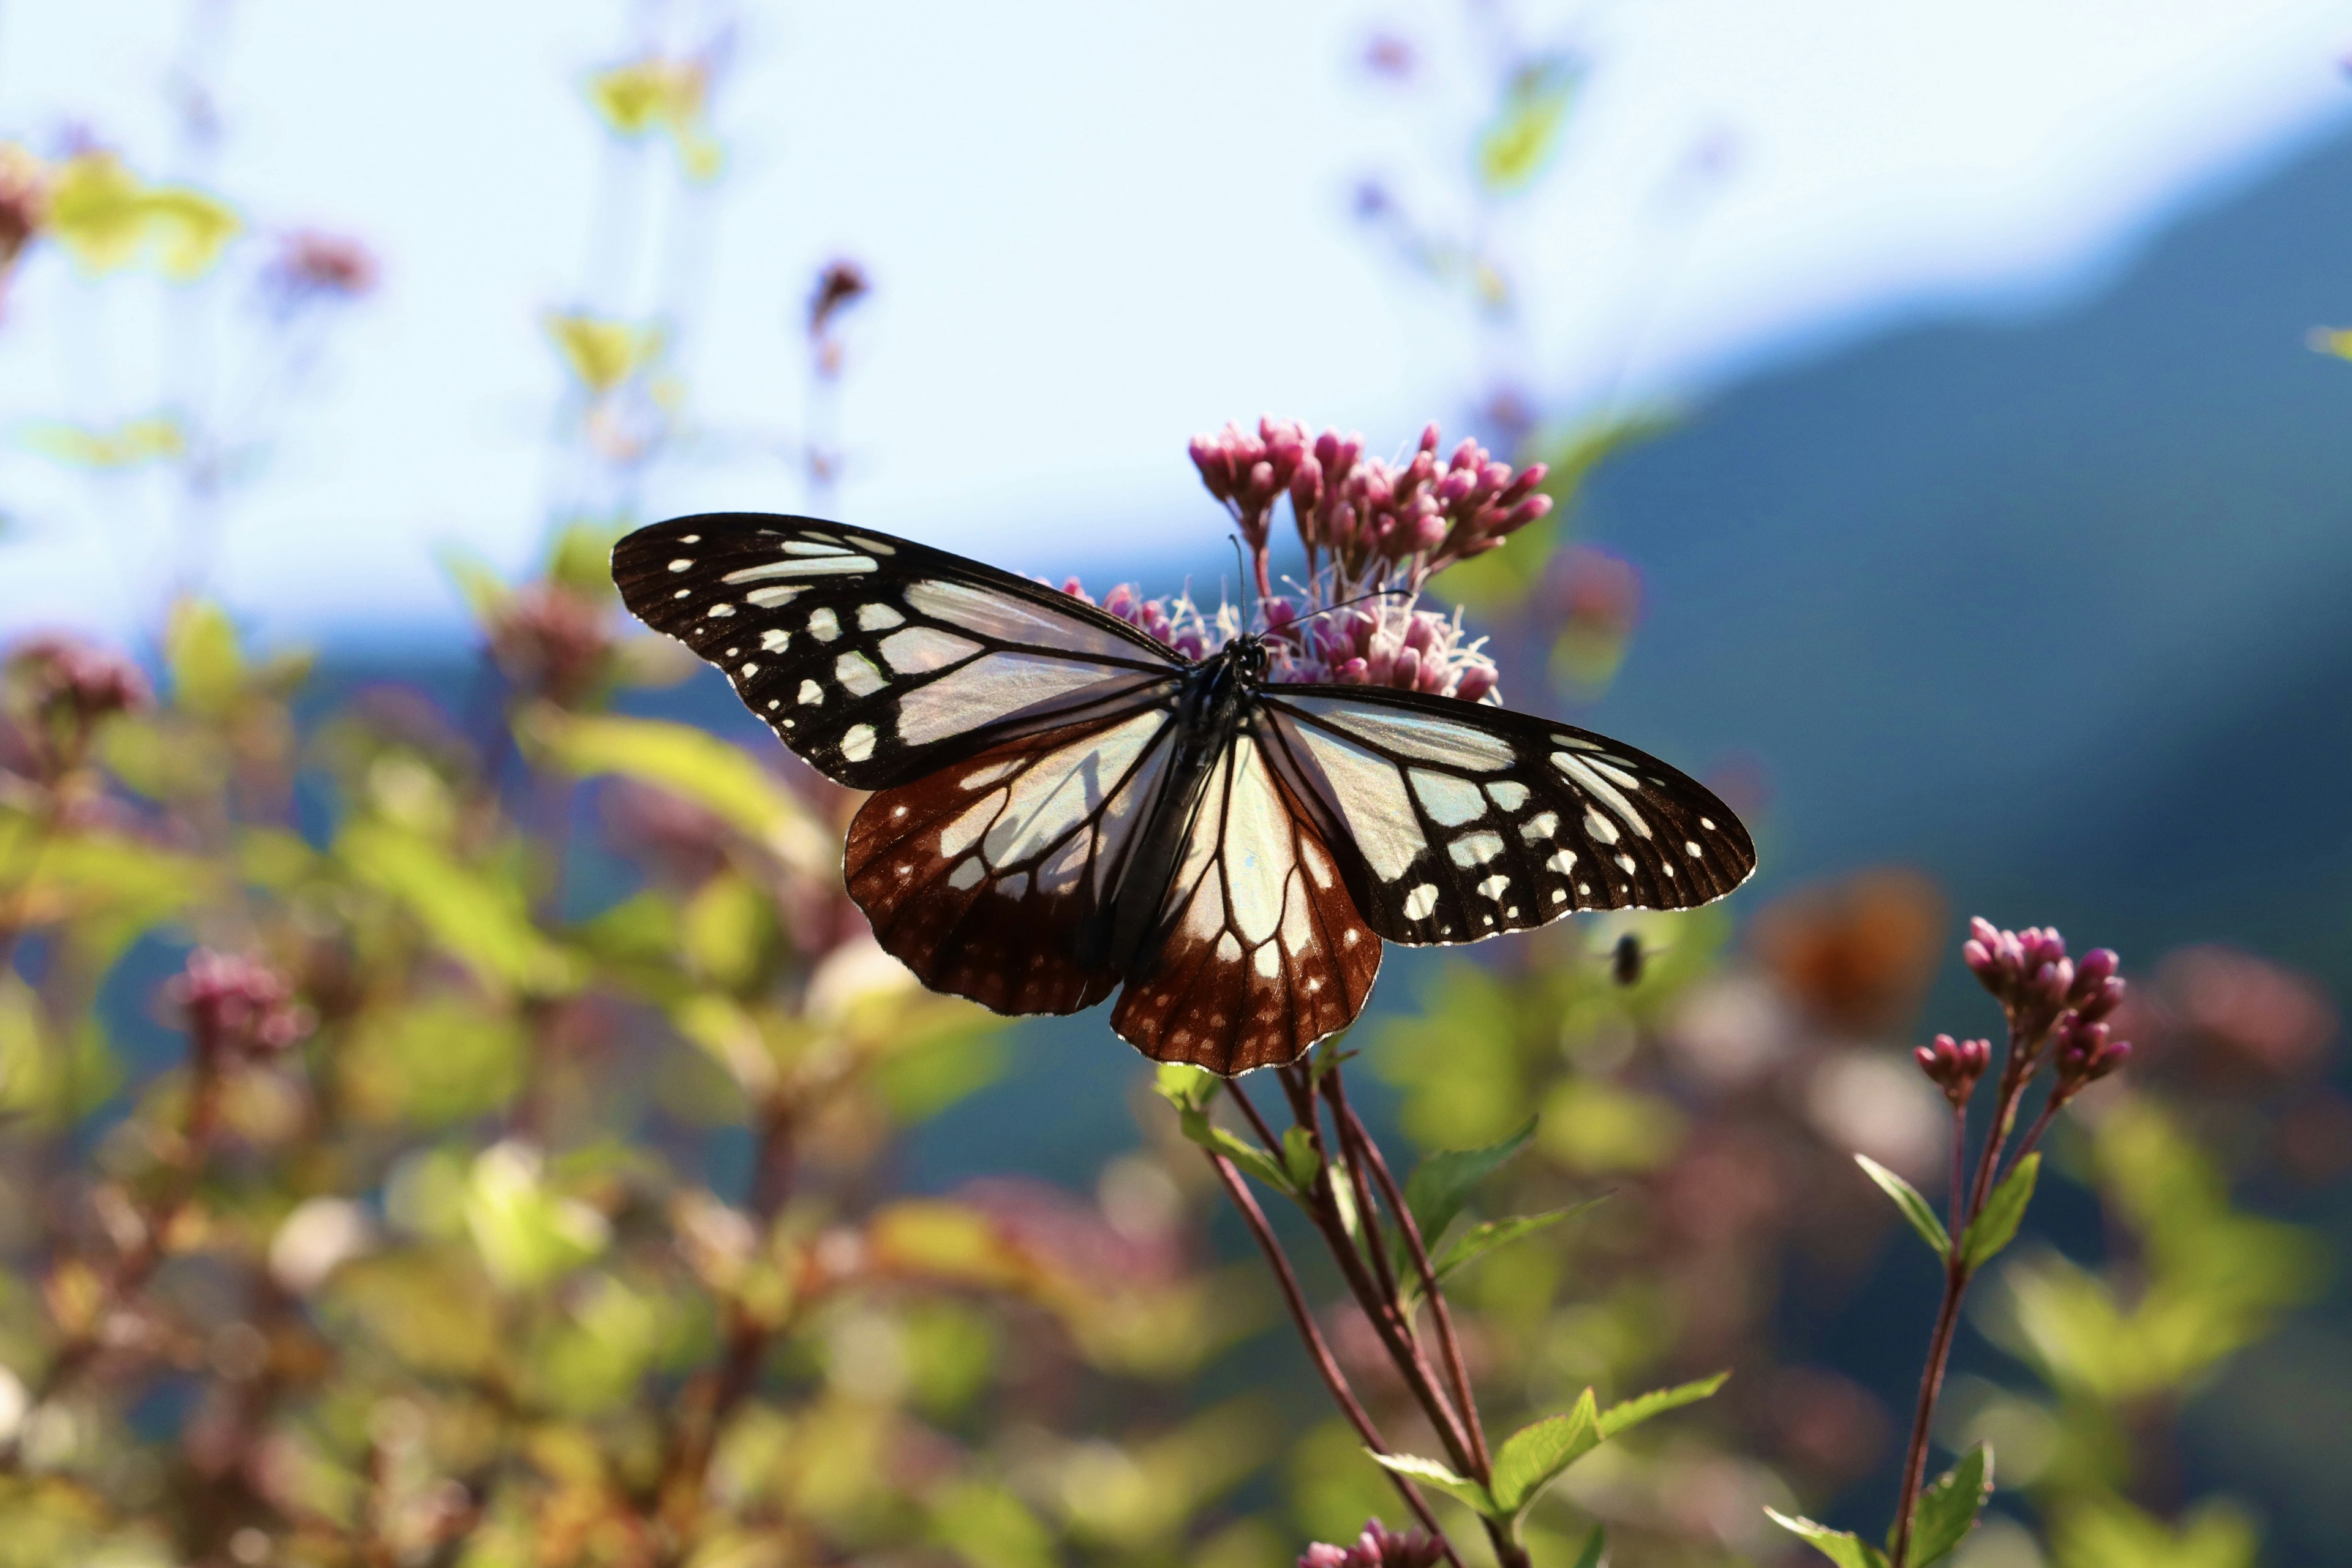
column 876, row 658
column 1455, row 822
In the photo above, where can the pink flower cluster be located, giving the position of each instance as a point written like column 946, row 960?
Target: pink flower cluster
column 237, row 1004
column 1377, row 1547
column 1374, row 533
column 2052, row 997
column 62, row 677
column 1377, row 521
column 1954, row 1066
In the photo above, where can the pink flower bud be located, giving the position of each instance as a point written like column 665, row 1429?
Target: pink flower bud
column 1429, row 437
column 1406, row 671
column 1476, row 682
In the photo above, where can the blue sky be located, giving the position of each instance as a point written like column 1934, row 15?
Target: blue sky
column 1094, row 230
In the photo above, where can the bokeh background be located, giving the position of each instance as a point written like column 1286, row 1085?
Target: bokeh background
column 1947, row 419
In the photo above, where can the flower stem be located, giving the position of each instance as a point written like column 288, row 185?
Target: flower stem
column 1369, row 1153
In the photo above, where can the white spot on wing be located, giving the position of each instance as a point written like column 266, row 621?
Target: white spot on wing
column 820, row 566
column 1450, row 802
column 1542, row 825
column 857, row 743
column 1600, row 828
column 1563, row 862
column 920, row 648
column 873, row 547
column 681, row 564
column 1419, row 903
column 772, row 598
column 1691, row 848
column 719, row 612
column 811, row 547
column 857, row 675
column 1509, row 794
column 879, row 618
column 1476, row 848
column 775, row 639
column 811, row 694
column 1495, row 885
column 1267, row 960
column 966, row 876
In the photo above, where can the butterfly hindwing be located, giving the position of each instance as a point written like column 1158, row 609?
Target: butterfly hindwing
column 1458, row 821
column 1260, row 951
column 875, row 659
column 985, row 876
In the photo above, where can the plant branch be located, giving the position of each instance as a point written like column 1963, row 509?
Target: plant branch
column 1316, row 1349
column 1367, row 1152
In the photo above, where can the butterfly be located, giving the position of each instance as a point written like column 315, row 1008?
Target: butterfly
column 1065, row 806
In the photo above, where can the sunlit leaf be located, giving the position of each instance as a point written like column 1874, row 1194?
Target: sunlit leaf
column 1841, row 1547
column 1520, row 141
column 148, row 438
column 107, row 218
column 1429, row 1473
column 202, row 652
column 1633, row 1412
column 1197, row 1126
column 1183, row 1086
column 722, row 779
column 1442, row 1182
column 478, row 918
column 1948, row 1508
column 603, row 353
column 1536, row 1455
column 1915, row 1208
column 527, row 1235
column 1484, row 1237
column 1300, row 1158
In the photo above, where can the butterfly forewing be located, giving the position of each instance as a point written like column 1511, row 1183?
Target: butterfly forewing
column 1260, row 951
column 879, row 660
column 1458, row 821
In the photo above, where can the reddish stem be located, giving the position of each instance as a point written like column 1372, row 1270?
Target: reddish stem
column 1316, row 1349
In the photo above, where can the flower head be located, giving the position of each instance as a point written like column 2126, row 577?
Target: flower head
column 1377, row 1547
column 2050, row 997
column 551, row 640
column 313, row 266
column 236, row 1003
column 1374, row 532
column 1954, row 1066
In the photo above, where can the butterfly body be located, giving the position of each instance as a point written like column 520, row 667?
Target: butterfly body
column 1066, row 807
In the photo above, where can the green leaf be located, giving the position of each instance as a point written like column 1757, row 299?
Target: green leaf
column 200, row 649
column 1429, row 1473
column 1442, row 1183
column 1947, row 1509
column 1256, row 1160
column 1657, row 1401
column 1301, row 1157
column 1484, row 1237
column 720, row 778
column 1595, row 1545
column 1841, row 1547
column 1185, row 1086
column 476, row 919
column 1916, row 1209
column 1996, row 1224
column 1533, row 1457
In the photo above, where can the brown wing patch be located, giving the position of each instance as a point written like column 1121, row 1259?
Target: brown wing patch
column 984, row 877
column 1264, row 952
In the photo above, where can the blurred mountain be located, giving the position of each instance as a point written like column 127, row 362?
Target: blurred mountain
column 2056, row 606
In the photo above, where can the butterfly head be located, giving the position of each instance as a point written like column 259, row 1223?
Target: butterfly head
column 1247, row 656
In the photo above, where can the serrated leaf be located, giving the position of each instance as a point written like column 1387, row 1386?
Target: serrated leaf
column 1996, row 1224
column 1483, row 1238
column 1916, row 1209
column 1657, row 1401
column 1429, row 1473
column 1442, row 1182
column 1947, row 1509
column 1534, row 1456
column 1596, row 1547
column 1256, row 1160
column 1300, row 1157
column 1841, row 1547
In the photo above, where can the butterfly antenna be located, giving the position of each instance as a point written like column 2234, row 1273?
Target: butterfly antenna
column 1241, row 573
column 1344, row 603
